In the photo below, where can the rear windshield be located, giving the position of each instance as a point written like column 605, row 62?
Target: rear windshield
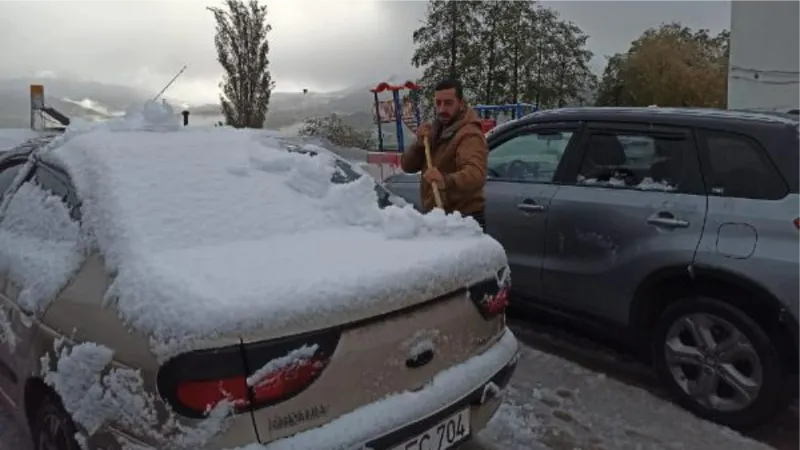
column 345, row 173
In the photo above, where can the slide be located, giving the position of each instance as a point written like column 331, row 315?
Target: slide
column 62, row 119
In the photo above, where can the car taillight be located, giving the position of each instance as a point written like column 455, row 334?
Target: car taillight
column 797, row 223
column 491, row 297
column 249, row 376
column 287, row 381
column 203, row 395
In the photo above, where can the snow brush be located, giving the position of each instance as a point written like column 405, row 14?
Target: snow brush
column 436, row 195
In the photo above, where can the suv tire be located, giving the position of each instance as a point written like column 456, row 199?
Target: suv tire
column 52, row 427
column 732, row 347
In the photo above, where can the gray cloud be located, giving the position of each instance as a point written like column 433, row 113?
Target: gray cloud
column 321, row 45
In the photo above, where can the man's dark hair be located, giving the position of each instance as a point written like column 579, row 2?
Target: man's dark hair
column 451, row 83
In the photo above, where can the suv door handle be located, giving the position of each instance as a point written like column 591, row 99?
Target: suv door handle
column 667, row 220
column 529, row 205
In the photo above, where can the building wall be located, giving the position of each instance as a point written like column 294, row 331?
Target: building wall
column 764, row 55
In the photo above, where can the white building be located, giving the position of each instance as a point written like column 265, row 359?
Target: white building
column 764, row 55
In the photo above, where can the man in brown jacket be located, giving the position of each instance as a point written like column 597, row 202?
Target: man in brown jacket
column 458, row 154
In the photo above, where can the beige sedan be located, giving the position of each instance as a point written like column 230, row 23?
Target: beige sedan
column 225, row 289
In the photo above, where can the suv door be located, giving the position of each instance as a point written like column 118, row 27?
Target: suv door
column 634, row 204
column 522, row 166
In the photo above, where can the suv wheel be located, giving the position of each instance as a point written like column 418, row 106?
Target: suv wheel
column 52, row 428
column 718, row 363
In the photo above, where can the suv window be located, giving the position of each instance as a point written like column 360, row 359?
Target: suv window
column 736, row 166
column 634, row 160
column 531, row 157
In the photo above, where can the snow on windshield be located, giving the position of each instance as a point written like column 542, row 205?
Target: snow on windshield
column 215, row 230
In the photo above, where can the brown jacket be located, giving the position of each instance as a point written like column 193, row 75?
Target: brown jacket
column 459, row 152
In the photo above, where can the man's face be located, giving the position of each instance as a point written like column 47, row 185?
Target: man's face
column 447, row 105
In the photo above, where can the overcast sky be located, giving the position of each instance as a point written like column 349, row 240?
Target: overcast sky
column 320, row 45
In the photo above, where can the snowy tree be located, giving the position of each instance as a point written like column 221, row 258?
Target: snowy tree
column 503, row 51
column 446, row 45
column 242, row 50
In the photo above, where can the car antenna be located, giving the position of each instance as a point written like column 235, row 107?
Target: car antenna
column 168, row 84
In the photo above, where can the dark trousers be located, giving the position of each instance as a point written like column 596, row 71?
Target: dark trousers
column 479, row 217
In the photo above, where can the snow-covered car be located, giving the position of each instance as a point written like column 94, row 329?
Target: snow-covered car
column 178, row 288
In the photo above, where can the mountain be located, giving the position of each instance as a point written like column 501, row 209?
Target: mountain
column 74, row 98
column 98, row 101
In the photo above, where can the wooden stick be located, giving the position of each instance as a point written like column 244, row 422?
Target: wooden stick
column 436, row 195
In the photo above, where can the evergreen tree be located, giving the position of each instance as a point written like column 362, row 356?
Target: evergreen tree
column 446, row 45
column 504, row 52
column 242, row 50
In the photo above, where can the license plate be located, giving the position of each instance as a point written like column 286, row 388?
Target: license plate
column 447, row 434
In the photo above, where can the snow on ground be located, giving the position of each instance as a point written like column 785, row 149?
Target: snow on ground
column 554, row 404
column 563, row 406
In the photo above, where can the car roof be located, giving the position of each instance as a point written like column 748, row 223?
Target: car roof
column 674, row 116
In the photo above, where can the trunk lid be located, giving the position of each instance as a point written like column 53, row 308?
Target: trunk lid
column 366, row 361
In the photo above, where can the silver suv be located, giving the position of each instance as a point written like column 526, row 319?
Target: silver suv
column 678, row 227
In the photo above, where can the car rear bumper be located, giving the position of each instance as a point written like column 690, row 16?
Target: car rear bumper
column 476, row 384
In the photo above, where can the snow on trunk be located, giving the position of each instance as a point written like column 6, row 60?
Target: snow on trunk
column 97, row 393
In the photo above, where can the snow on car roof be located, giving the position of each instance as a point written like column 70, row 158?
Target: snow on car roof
column 217, row 231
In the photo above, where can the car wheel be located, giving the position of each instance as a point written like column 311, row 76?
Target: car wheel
column 718, row 363
column 52, row 428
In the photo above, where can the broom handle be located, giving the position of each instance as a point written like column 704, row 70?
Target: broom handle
column 436, row 195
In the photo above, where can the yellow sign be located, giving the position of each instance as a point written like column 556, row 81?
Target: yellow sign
column 37, row 96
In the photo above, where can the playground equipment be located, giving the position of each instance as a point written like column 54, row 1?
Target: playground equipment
column 41, row 111
column 400, row 111
column 489, row 113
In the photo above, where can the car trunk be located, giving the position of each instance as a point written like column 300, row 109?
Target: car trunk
column 372, row 359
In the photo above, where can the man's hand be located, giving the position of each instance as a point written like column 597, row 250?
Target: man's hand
column 424, row 130
column 433, row 176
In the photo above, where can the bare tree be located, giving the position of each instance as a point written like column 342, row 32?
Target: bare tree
column 242, row 50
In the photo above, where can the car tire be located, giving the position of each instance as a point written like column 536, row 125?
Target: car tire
column 52, row 427
column 702, row 379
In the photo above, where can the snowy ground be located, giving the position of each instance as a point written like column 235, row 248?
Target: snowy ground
column 555, row 404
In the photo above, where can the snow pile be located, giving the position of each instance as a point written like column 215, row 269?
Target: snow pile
column 41, row 247
column 220, row 231
column 96, row 394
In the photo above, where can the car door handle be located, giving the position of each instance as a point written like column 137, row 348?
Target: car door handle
column 667, row 220
column 530, row 207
